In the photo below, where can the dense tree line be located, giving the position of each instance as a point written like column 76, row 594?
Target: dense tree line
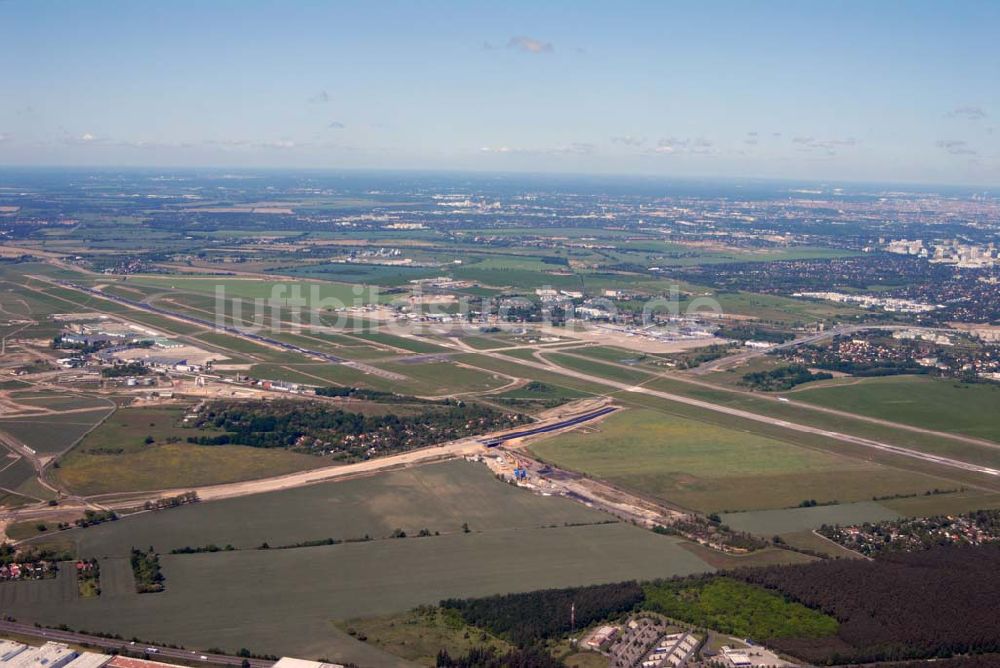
column 9, row 554
column 935, row 603
column 211, row 547
column 782, row 378
column 121, row 370
column 527, row 618
column 172, row 501
column 873, row 369
column 372, row 395
column 94, row 517
column 313, row 427
column 754, row 333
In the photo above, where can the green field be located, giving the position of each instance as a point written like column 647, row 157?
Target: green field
column 440, row 497
column 441, row 377
column 284, row 601
column 419, row 634
column 949, row 504
column 930, row 403
column 731, row 606
column 431, row 378
column 536, row 396
column 96, row 466
column 712, row 468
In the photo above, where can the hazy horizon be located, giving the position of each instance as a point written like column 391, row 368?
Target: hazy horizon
column 894, row 92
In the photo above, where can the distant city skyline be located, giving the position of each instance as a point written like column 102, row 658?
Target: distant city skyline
column 888, row 91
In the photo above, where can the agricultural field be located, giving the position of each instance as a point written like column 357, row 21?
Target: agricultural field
column 17, row 480
column 51, row 433
column 439, row 497
column 768, row 523
column 516, row 542
column 712, row 468
column 930, row 403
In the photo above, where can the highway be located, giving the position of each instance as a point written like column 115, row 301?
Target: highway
column 125, row 646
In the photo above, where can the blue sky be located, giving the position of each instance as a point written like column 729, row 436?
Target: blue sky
column 897, row 91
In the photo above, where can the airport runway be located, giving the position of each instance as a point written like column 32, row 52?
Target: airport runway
column 756, row 417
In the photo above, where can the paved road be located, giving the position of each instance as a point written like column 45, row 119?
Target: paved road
column 545, row 429
column 125, row 646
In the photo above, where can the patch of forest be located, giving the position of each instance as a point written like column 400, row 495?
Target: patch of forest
column 934, row 604
column 930, row 604
column 146, row 569
column 525, row 619
column 735, row 607
column 312, row 427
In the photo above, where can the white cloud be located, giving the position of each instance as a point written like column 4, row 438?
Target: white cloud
column 628, row 140
column 321, row 97
column 697, row 146
column 828, row 146
column 278, row 143
column 575, row 148
column 529, row 45
column 336, row 125
column 968, row 113
column 955, row 146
